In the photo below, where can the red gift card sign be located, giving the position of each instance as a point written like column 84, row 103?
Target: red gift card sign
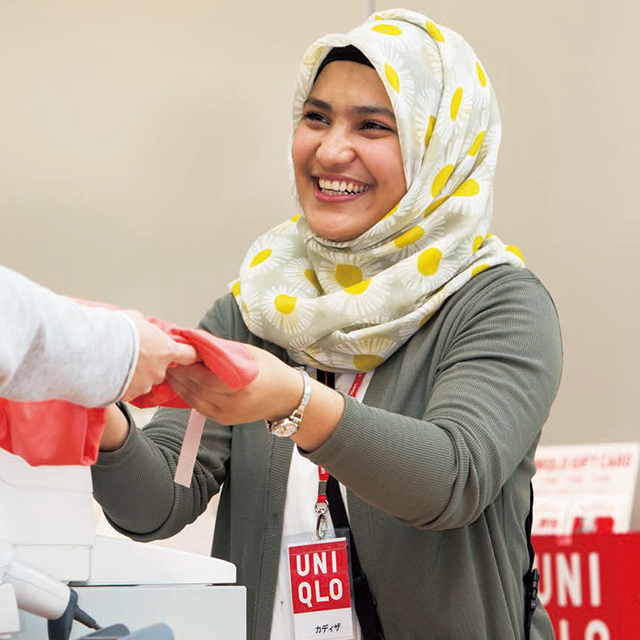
column 590, row 585
column 320, row 590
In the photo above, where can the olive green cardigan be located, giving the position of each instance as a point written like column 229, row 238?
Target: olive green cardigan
column 437, row 460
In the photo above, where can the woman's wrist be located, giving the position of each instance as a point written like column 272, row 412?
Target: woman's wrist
column 289, row 398
column 321, row 417
column 116, row 430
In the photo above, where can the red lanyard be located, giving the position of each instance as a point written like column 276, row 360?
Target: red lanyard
column 321, row 503
column 357, row 382
column 323, row 475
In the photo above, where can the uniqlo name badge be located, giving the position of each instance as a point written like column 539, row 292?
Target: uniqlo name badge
column 321, row 589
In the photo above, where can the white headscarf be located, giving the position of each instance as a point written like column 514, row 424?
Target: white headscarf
column 347, row 306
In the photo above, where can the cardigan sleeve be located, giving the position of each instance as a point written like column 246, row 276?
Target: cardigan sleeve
column 134, row 484
column 444, row 456
column 53, row 348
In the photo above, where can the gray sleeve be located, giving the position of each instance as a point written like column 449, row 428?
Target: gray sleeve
column 494, row 381
column 52, row 347
column 134, row 484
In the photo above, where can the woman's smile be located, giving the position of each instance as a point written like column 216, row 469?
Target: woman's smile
column 337, row 189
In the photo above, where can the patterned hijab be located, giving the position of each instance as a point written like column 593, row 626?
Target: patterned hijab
column 347, row 306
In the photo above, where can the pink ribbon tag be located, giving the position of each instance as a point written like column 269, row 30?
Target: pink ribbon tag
column 189, row 450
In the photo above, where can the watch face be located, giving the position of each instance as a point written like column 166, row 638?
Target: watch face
column 282, row 428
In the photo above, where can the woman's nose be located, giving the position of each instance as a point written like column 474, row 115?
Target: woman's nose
column 335, row 149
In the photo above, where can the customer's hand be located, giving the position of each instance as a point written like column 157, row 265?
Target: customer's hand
column 157, row 352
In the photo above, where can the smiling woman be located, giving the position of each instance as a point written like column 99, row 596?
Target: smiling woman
column 403, row 349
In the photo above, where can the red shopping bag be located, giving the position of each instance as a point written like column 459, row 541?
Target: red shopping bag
column 590, row 584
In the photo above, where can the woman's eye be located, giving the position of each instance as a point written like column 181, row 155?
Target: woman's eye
column 314, row 116
column 375, row 126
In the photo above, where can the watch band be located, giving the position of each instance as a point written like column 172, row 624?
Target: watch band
column 286, row 427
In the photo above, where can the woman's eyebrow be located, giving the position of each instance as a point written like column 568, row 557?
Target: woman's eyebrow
column 374, row 110
column 364, row 110
column 319, row 104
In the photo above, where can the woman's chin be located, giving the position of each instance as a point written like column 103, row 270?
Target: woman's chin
column 334, row 234
column 334, row 226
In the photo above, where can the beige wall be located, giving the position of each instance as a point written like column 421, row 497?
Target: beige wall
column 143, row 145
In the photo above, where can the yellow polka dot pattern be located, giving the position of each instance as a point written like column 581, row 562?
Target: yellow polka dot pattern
column 455, row 103
column 347, row 275
column 441, row 179
column 284, row 303
column 357, row 289
column 260, row 257
column 347, row 306
column 481, row 75
column 436, row 34
column 409, row 237
column 392, row 77
column 434, row 205
column 468, row 188
column 516, row 251
column 430, row 127
column 367, row 362
column 477, row 143
column 311, row 276
column 479, row 269
column 388, row 29
column 429, row 261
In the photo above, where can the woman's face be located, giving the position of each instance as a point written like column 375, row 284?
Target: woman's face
column 346, row 153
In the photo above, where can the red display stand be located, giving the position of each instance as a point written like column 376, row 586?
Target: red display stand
column 590, row 584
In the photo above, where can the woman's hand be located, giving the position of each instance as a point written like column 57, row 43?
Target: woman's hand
column 275, row 393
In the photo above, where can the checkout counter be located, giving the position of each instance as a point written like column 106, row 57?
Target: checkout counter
column 47, row 544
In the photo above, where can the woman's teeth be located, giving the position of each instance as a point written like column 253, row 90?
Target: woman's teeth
column 341, row 188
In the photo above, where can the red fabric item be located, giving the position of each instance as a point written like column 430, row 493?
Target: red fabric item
column 51, row 432
column 56, row 432
column 228, row 360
